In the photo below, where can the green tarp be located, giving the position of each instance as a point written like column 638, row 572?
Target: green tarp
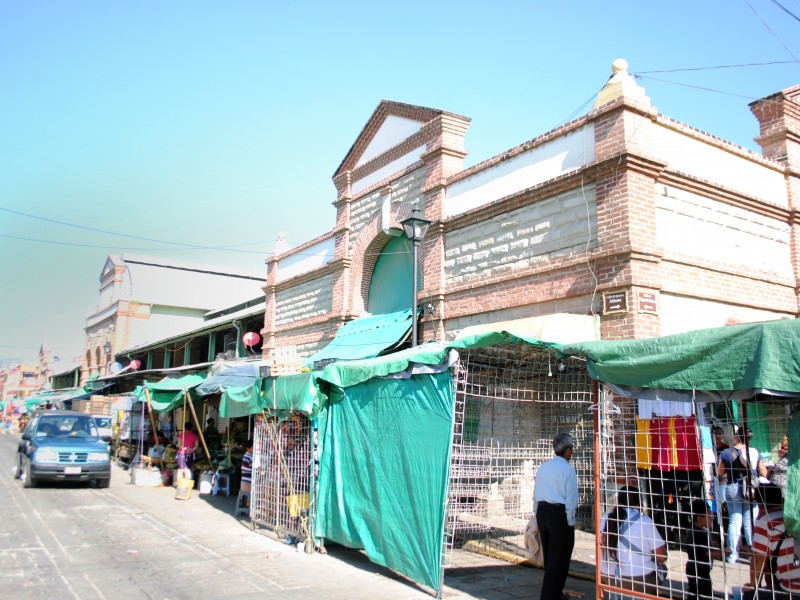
column 737, row 357
column 384, row 471
column 365, row 337
column 278, row 396
column 791, row 504
column 168, row 394
column 293, row 393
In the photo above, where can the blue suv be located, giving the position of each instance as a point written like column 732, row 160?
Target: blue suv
column 62, row 445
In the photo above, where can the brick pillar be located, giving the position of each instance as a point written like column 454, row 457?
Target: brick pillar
column 779, row 137
column 443, row 158
column 626, row 215
column 270, row 316
column 342, row 287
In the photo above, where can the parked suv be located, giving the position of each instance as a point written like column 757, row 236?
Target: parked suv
column 62, row 445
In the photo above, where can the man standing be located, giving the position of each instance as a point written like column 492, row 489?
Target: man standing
column 555, row 501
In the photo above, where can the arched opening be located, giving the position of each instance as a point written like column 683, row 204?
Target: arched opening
column 390, row 283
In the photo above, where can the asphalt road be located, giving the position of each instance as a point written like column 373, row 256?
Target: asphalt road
column 73, row 541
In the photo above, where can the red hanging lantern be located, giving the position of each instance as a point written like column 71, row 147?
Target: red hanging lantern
column 251, row 338
column 135, row 364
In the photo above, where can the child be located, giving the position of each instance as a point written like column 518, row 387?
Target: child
column 701, row 555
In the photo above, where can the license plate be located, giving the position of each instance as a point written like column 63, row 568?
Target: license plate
column 72, row 470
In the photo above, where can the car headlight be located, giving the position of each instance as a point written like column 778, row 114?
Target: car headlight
column 98, row 456
column 46, row 455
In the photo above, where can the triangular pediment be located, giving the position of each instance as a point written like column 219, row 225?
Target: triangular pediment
column 390, row 125
column 112, row 261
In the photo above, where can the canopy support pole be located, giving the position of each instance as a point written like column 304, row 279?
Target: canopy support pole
column 196, row 424
column 152, row 419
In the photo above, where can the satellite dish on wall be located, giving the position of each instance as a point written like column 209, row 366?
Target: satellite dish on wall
column 114, row 368
column 135, row 364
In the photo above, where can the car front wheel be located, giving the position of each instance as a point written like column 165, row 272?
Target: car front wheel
column 102, row 484
column 18, row 468
column 29, row 481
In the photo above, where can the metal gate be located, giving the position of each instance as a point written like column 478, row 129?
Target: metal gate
column 283, row 476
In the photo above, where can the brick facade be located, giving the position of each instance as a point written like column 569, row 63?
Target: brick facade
column 516, row 235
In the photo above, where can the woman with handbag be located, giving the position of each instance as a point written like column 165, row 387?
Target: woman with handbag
column 742, row 469
column 631, row 546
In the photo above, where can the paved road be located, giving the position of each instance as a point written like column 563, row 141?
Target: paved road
column 74, row 541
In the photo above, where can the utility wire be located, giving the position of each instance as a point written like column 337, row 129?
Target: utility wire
column 786, row 10
column 125, row 235
column 761, row 64
column 697, row 87
column 767, row 27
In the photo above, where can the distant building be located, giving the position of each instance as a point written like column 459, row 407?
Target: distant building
column 18, row 381
column 624, row 213
column 145, row 299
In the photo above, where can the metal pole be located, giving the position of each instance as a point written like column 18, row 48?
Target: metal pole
column 414, row 297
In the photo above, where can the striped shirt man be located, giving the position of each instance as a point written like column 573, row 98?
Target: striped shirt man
column 768, row 537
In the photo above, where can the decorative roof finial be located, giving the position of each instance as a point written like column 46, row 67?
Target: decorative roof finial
column 621, row 84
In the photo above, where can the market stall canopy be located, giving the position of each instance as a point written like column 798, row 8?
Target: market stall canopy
column 365, row 337
column 59, row 397
column 558, row 328
column 756, row 356
column 293, row 393
column 168, row 394
column 240, row 386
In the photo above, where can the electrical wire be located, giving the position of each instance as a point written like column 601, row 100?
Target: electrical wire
column 786, row 10
column 769, row 29
column 686, row 69
column 125, row 235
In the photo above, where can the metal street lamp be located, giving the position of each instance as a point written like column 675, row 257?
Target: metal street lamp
column 107, row 348
column 415, row 228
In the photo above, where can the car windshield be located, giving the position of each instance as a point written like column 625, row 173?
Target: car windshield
column 66, row 426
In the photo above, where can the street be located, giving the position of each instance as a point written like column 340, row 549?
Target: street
column 75, row 541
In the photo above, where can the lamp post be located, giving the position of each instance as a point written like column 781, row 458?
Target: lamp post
column 107, row 350
column 415, row 228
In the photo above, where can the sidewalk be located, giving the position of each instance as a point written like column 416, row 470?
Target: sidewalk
column 343, row 572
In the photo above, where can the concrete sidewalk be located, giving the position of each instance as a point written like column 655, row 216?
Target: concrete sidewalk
column 343, row 572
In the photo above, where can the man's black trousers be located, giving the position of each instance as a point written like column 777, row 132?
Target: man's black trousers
column 558, row 540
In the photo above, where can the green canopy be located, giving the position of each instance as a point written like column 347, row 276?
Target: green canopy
column 293, row 393
column 737, row 357
column 167, row 394
column 384, row 471
column 365, row 337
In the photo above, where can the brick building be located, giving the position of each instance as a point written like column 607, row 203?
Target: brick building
column 624, row 212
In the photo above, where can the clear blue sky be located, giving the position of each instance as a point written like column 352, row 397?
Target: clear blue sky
column 221, row 123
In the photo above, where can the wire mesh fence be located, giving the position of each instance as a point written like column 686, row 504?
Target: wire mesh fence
column 678, row 518
column 511, row 400
column 282, row 473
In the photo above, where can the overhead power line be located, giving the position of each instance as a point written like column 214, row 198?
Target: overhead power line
column 760, row 64
column 786, row 10
column 125, row 235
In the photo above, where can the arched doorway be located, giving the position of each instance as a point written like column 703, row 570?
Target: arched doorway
column 390, row 284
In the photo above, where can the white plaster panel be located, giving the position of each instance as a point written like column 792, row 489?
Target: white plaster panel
column 557, row 226
column 310, row 299
column 393, row 131
column 680, row 314
column 523, row 171
column 704, row 161
column 166, row 322
column 691, row 224
column 306, row 260
column 401, row 163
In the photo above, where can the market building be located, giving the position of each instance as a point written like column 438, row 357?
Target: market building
column 624, row 213
column 145, row 299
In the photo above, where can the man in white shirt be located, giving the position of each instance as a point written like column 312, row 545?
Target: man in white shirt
column 555, row 501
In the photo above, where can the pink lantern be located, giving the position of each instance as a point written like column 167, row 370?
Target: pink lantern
column 251, row 338
column 135, row 364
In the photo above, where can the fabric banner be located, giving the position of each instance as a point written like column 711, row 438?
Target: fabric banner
column 384, row 471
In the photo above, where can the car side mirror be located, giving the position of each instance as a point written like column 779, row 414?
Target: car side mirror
column 105, row 438
column 26, row 436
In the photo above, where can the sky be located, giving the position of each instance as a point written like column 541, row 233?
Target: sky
column 150, row 127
